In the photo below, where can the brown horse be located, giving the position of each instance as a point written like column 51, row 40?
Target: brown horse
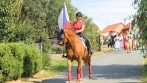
column 75, row 51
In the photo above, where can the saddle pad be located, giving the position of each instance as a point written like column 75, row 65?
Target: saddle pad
column 83, row 41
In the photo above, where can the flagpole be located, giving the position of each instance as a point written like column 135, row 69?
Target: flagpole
column 63, row 13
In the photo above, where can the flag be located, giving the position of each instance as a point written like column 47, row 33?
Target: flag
column 63, row 19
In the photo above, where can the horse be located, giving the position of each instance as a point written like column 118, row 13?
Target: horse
column 75, row 50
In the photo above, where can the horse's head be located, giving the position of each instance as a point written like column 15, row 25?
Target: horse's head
column 61, row 37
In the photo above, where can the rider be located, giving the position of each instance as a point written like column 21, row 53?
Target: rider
column 78, row 28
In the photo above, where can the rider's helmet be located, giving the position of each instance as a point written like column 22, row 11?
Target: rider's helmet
column 79, row 14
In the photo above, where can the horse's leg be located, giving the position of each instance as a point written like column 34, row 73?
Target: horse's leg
column 90, row 68
column 81, row 74
column 79, row 69
column 69, row 62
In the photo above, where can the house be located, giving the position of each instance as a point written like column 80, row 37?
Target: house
column 126, row 28
column 117, row 28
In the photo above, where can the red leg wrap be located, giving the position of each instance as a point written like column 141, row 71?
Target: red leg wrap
column 69, row 76
column 78, row 77
column 90, row 70
column 81, row 74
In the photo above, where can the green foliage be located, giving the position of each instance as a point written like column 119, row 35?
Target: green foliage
column 17, row 58
column 56, row 50
column 1, row 76
column 46, row 60
column 141, row 6
column 33, row 19
column 144, row 78
column 91, row 30
column 7, row 62
column 38, row 17
column 58, row 65
column 9, row 14
column 18, row 54
column 28, row 20
column 32, row 60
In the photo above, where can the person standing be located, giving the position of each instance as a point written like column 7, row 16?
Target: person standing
column 129, row 44
column 117, row 42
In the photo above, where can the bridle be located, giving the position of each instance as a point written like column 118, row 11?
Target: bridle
column 60, row 39
column 64, row 45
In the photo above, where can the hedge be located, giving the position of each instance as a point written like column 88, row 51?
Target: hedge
column 17, row 60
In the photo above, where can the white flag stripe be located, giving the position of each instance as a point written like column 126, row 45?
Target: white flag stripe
column 63, row 17
column 60, row 20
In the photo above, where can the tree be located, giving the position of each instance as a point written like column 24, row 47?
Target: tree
column 9, row 15
column 141, row 16
column 33, row 19
column 91, row 30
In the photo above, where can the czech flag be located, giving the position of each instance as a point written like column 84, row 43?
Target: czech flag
column 63, row 19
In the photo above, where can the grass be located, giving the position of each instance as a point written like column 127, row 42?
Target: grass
column 144, row 76
column 57, row 66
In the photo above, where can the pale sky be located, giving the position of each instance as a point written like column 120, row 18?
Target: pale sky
column 105, row 12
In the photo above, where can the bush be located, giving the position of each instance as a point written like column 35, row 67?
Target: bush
column 18, row 54
column 1, row 76
column 7, row 62
column 46, row 60
column 56, row 50
column 17, row 59
column 32, row 60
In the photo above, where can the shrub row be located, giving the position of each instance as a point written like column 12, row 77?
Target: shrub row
column 17, row 60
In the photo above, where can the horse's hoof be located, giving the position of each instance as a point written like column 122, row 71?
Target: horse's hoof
column 78, row 81
column 81, row 79
column 90, row 76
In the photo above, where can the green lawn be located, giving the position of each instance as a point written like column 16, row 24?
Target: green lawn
column 144, row 76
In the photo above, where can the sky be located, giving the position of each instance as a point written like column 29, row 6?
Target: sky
column 106, row 12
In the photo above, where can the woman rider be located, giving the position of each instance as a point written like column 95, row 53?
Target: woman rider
column 78, row 28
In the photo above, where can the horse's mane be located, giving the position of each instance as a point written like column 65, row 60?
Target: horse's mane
column 70, row 33
column 71, row 36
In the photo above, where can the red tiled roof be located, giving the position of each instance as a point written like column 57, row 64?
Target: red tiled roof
column 111, row 27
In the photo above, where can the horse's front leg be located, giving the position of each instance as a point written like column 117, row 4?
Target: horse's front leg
column 90, row 68
column 79, row 71
column 69, row 64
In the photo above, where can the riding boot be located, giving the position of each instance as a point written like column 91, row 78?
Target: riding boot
column 89, row 47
